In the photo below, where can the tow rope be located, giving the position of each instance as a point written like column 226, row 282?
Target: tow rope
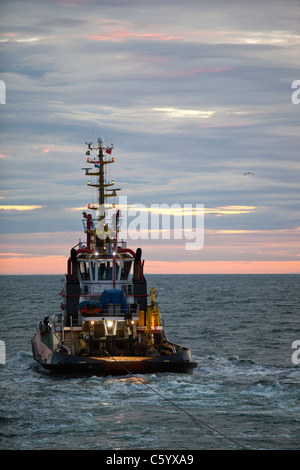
column 197, row 420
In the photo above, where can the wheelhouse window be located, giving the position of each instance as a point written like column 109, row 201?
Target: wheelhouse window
column 125, row 271
column 84, row 270
column 103, row 270
column 93, row 273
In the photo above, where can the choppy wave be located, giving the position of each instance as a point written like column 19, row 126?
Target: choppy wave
column 245, row 386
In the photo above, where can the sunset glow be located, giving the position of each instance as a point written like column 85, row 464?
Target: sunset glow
column 196, row 102
column 15, row 264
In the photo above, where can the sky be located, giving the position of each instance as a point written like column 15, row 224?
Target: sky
column 192, row 95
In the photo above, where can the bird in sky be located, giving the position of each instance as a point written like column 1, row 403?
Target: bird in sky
column 248, row 173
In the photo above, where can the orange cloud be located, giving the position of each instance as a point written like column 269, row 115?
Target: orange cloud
column 119, row 34
column 33, row 265
column 230, row 210
column 16, row 263
column 10, row 255
column 19, row 208
column 223, row 267
column 181, row 211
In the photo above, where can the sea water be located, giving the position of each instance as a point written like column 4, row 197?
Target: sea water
column 244, row 393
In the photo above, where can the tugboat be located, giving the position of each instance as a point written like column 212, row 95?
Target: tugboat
column 106, row 325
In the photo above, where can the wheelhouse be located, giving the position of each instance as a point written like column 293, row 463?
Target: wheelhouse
column 111, row 269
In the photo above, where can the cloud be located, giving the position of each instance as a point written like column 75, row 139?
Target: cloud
column 185, row 113
column 33, row 265
column 192, row 95
column 19, row 208
column 120, row 34
column 223, row 267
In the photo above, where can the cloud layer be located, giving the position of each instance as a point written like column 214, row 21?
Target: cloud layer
column 193, row 95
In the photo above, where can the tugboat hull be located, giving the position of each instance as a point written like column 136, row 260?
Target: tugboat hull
column 58, row 362
column 105, row 325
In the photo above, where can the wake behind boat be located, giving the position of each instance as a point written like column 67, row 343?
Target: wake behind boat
column 106, row 325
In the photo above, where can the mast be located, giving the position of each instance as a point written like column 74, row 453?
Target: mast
column 100, row 229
